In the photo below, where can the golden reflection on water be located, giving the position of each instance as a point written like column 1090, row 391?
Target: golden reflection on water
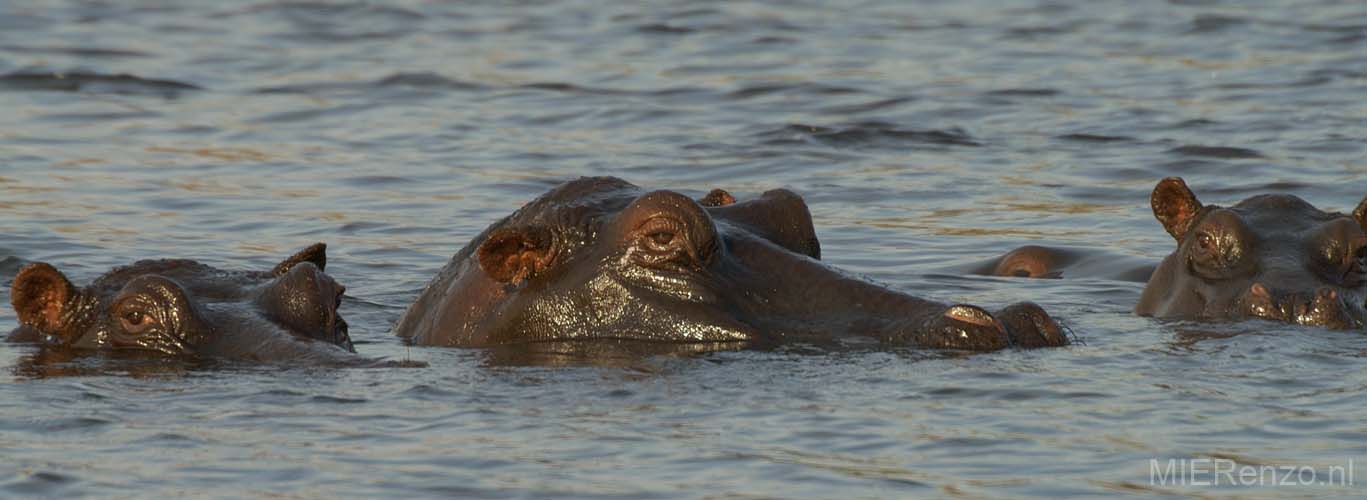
column 936, row 221
column 224, row 153
column 905, row 223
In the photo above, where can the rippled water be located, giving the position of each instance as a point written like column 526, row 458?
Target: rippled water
column 924, row 135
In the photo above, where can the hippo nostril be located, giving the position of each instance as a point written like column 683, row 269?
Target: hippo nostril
column 1326, row 301
column 970, row 314
column 1258, row 302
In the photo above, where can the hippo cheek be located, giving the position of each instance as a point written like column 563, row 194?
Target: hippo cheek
column 619, row 308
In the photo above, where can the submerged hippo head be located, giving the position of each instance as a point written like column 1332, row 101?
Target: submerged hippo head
column 598, row 258
column 181, row 307
column 1271, row 256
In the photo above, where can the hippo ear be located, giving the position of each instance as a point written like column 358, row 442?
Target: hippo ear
column 1360, row 213
column 717, row 198
column 315, row 253
column 1175, row 206
column 41, row 296
column 511, row 255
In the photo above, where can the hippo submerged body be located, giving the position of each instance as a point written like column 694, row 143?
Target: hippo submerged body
column 601, row 259
column 1271, row 256
column 184, row 308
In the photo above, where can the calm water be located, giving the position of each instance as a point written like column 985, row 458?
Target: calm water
column 923, row 134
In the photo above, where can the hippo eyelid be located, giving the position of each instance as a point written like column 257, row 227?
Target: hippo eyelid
column 659, row 225
column 145, row 301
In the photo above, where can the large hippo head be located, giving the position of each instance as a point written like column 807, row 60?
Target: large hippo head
column 1272, row 256
column 599, row 258
column 182, row 307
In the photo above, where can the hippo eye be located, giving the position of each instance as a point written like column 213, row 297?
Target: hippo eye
column 661, row 238
column 136, row 321
column 1207, row 243
column 660, row 234
column 664, row 240
column 1216, row 253
column 1207, row 249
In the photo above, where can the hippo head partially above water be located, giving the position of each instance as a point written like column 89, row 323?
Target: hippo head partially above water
column 1271, row 256
column 600, row 259
column 184, row 308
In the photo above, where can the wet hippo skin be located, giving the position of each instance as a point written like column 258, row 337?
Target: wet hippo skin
column 184, row 308
column 1271, row 256
column 601, row 259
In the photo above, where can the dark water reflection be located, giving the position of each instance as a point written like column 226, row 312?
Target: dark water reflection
column 924, row 135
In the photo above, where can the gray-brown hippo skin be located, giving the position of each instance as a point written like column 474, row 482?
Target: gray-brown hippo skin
column 1271, row 256
column 600, row 259
column 184, row 308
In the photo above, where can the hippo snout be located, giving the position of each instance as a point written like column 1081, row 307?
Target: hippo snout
column 1324, row 307
column 1028, row 326
column 969, row 327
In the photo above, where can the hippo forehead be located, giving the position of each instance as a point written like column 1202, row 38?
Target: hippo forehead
column 1280, row 214
column 201, row 281
column 577, row 207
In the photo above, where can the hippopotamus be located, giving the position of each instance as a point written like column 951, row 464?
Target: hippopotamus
column 179, row 307
column 1271, row 256
column 600, row 259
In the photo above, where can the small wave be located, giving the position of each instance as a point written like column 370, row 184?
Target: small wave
column 425, row 80
column 1195, row 123
column 337, row 400
column 664, row 29
column 9, row 266
column 878, row 105
column 425, row 391
column 74, row 424
column 573, row 89
column 868, row 134
column 414, row 80
column 1083, row 137
column 1224, row 152
column 1024, row 93
column 121, row 83
column 1009, row 394
column 1214, row 23
column 784, row 88
column 86, row 52
column 41, row 483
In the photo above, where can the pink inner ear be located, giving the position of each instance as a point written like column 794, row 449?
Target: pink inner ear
column 1174, row 206
column 511, row 255
column 52, row 311
column 40, row 294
